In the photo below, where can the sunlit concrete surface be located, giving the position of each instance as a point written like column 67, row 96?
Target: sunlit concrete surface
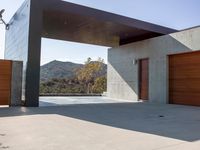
column 116, row 126
column 68, row 100
column 3, row 106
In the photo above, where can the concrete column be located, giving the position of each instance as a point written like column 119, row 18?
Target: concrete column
column 16, row 83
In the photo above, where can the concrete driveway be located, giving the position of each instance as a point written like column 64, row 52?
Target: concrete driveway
column 120, row 126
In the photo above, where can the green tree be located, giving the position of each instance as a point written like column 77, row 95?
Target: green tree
column 100, row 85
column 87, row 74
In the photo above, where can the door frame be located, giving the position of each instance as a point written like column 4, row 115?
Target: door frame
column 139, row 79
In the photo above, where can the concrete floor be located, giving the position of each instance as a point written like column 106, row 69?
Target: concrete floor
column 68, row 100
column 119, row 126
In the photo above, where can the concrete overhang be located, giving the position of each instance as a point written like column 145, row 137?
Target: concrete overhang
column 67, row 21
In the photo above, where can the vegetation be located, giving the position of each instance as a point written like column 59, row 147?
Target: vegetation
column 87, row 78
column 100, row 85
column 88, row 74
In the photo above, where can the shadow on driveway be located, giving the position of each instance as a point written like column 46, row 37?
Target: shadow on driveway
column 173, row 121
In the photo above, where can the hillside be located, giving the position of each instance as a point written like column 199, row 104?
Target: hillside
column 62, row 70
column 58, row 69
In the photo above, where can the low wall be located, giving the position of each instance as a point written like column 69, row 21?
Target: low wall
column 10, row 82
column 68, row 94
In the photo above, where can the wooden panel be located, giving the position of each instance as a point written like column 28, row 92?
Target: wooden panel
column 184, row 72
column 5, row 81
column 144, row 79
column 184, row 79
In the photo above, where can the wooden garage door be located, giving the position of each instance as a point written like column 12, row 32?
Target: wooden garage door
column 5, row 81
column 184, row 79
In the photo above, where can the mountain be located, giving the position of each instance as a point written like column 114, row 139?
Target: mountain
column 58, row 69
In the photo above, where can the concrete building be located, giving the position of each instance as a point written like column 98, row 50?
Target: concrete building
column 138, row 60
column 172, row 73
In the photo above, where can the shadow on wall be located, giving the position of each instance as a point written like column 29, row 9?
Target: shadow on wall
column 173, row 121
column 122, row 71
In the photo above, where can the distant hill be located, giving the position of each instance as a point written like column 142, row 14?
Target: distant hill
column 60, row 70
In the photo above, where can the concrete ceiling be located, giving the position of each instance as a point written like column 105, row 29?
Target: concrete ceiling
column 72, row 22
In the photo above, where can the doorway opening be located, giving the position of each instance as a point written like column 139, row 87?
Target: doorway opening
column 72, row 73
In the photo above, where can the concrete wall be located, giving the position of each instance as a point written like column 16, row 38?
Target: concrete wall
column 23, row 43
column 123, row 74
column 16, row 83
column 16, row 45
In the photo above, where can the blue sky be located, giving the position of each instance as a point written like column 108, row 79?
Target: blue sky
column 177, row 14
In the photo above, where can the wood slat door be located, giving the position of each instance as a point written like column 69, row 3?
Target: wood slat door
column 5, row 81
column 144, row 79
column 184, row 79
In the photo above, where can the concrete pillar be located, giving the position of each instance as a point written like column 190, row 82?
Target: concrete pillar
column 16, row 83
